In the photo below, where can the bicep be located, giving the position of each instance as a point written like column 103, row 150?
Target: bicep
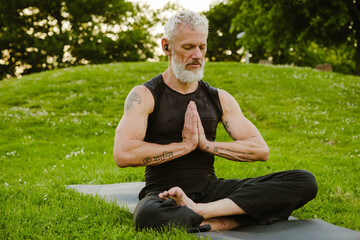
column 234, row 121
column 133, row 124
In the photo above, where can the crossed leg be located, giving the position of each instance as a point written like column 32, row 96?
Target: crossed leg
column 217, row 213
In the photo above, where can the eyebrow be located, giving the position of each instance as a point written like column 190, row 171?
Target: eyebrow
column 193, row 45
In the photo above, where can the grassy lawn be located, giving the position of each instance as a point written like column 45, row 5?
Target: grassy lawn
column 57, row 128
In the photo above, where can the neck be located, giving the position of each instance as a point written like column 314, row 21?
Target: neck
column 175, row 84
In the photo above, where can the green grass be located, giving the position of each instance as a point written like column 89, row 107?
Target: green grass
column 57, row 128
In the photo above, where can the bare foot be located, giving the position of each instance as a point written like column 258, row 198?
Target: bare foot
column 178, row 195
column 221, row 223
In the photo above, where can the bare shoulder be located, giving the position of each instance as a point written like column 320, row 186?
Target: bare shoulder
column 138, row 105
column 228, row 102
column 139, row 98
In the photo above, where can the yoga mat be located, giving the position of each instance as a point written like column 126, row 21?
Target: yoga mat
column 126, row 195
column 310, row 229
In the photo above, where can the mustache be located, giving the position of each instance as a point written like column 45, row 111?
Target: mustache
column 195, row 62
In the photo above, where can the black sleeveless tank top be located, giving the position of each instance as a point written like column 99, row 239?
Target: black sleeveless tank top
column 165, row 126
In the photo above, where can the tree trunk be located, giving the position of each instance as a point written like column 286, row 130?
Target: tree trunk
column 357, row 51
column 353, row 8
column 357, row 54
column 356, row 20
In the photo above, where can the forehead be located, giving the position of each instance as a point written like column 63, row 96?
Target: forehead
column 186, row 34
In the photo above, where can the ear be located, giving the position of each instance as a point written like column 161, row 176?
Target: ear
column 165, row 45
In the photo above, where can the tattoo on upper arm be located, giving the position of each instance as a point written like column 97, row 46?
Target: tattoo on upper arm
column 133, row 97
column 158, row 159
column 226, row 125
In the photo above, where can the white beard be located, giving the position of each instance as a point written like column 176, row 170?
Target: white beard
column 184, row 75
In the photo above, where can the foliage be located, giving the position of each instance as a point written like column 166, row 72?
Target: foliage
column 274, row 27
column 44, row 34
column 311, row 54
column 57, row 128
column 221, row 43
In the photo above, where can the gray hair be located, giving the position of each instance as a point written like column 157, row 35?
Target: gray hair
column 187, row 17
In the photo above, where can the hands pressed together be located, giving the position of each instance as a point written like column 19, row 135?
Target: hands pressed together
column 193, row 133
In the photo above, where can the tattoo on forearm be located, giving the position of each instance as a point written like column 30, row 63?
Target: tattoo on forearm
column 236, row 158
column 230, row 150
column 233, row 156
column 227, row 155
column 157, row 159
column 244, row 159
column 134, row 97
column 147, row 160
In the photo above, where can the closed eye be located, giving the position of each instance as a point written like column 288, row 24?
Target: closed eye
column 190, row 47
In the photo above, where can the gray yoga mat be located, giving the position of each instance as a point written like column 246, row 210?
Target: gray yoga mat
column 126, row 195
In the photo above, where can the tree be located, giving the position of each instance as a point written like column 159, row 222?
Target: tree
column 221, row 43
column 278, row 25
column 44, row 34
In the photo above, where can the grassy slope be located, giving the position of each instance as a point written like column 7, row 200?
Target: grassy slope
column 57, row 128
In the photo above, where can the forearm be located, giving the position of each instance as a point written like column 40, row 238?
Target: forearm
column 136, row 153
column 249, row 150
column 131, row 150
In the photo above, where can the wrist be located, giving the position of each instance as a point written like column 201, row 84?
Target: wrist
column 188, row 146
column 204, row 146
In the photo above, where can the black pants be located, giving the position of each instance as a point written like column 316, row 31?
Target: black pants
column 265, row 199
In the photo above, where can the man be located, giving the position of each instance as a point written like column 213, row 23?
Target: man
column 169, row 126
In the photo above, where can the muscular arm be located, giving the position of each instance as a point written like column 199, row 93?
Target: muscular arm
column 248, row 144
column 130, row 149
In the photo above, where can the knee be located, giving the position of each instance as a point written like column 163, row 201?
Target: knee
column 147, row 214
column 309, row 186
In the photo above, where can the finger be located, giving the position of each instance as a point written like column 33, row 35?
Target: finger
column 195, row 110
column 191, row 109
column 165, row 198
column 194, row 119
column 202, row 136
column 189, row 120
column 163, row 194
column 187, row 116
column 191, row 105
column 194, row 105
column 200, row 123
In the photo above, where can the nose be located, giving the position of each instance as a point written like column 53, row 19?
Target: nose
column 197, row 54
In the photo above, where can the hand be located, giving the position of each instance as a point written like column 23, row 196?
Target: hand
column 190, row 133
column 202, row 137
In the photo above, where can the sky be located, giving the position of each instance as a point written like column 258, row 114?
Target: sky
column 194, row 5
